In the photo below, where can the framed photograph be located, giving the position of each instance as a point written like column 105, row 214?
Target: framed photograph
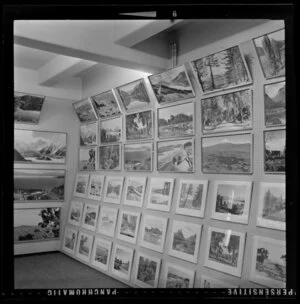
column 269, row 262
column 101, row 253
column 271, row 208
column 134, row 95
column 111, row 130
column 135, row 191
column 138, row 157
column 128, row 226
column 191, row 198
column 275, row 106
column 88, row 134
column 153, row 232
column 178, row 277
column 81, row 184
column 84, row 246
column 227, row 154
column 85, row 111
column 107, row 221
column 227, row 112
column 172, row 85
column 231, row 201
column 222, row 70
column 40, row 147
column 147, row 271
column 160, row 194
column 90, row 216
column 274, row 145
column 69, row 241
column 75, row 213
column 33, row 185
column 106, row 104
column 27, row 108
column 176, row 121
column 176, row 155
column 113, row 189
column 139, row 125
column 122, row 261
column 270, row 49
column 110, row 157
column 225, row 250
column 87, row 159
column 34, row 224
column 185, row 239
column 209, row 282
column 95, row 187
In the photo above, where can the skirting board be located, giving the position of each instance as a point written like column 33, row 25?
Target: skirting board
column 36, row 247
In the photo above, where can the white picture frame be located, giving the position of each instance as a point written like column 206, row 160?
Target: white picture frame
column 95, row 187
column 111, row 130
column 75, row 213
column 81, row 184
column 88, row 158
column 69, row 241
column 178, row 277
column 88, row 134
column 128, row 226
column 84, row 246
column 101, row 253
column 107, row 221
column 135, row 191
column 113, row 189
column 210, row 282
column 90, row 216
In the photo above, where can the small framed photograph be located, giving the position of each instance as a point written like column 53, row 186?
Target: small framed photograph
column 191, row 197
column 107, row 221
column 122, row 262
column 147, row 271
column 75, row 213
column 271, row 208
column 110, row 157
column 231, row 201
column 85, row 111
column 225, row 250
column 88, row 134
column 178, row 277
column 111, row 130
column 84, row 246
column 113, row 189
column 81, row 184
column 185, row 239
column 95, row 187
column 209, row 282
column 128, row 226
column 69, row 241
column 153, row 232
column 135, row 191
column 101, row 253
column 269, row 262
column 160, row 194
column 90, row 216
column 176, row 156
column 87, row 159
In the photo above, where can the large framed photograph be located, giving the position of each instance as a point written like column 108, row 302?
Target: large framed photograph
column 172, row 85
column 128, row 226
column 122, row 262
column 113, row 189
column 274, row 151
column 225, row 250
column 209, row 282
column 185, row 239
column 270, row 49
column 69, row 241
column 85, row 111
column 90, row 216
column 275, row 106
column 95, row 187
column 230, row 154
column 134, row 95
column 135, row 191
column 88, row 134
column 153, row 232
column 36, row 224
column 81, row 184
column 33, row 185
column 139, row 125
column 101, row 253
column 227, row 112
column 110, row 157
column 191, row 198
column 84, row 246
column 271, row 208
column 75, row 213
column 40, row 147
column 87, row 159
column 111, row 130
column 160, row 194
column 222, row 70
column 27, row 108
column 107, row 221
column 175, row 156
column 231, row 201
column 268, row 262
column 138, row 157
column 178, row 277
column 176, row 121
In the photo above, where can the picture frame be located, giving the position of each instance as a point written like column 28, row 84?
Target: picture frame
column 39, row 185
column 192, row 197
column 128, row 226
column 111, row 130
column 84, row 246
column 225, row 250
column 87, row 159
column 85, row 110
column 75, row 213
column 178, row 277
column 81, row 184
column 227, row 154
column 231, row 201
column 107, row 221
column 135, row 191
column 88, row 134
column 172, row 85
column 210, row 282
column 101, row 253
column 122, row 258
column 95, row 187
column 90, row 216
column 268, row 266
column 69, row 241
column 110, row 157
column 176, row 155
column 113, row 189
column 40, row 147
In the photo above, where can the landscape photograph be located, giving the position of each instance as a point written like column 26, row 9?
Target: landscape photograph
column 101, row 253
column 222, row 70
column 227, row 154
column 41, row 224
column 90, row 216
column 75, row 213
column 81, row 184
column 87, row 159
column 84, row 246
column 122, row 262
column 111, row 130
column 178, row 277
column 134, row 191
column 95, row 186
column 113, row 189
column 40, row 147
column 209, row 282
column 172, row 85
column 270, row 49
column 110, row 157
column 89, row 134
column 128, row 228
column 139, row 125
column 176, row 121
column 107, row 221
column 138, row 157
column 85, row 111
column 27, row 108
column 39, row 185
column 70, row 240
column 227, row 112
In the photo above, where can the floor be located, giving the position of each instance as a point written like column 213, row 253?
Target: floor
column 57, row 270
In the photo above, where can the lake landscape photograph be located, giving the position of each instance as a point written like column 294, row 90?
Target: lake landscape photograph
column 106, row 104
column 138, row 157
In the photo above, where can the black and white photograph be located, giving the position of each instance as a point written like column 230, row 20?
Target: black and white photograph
column 88, row 134
column 101, row 253
column 113, row 189
column 110, row 157
column 111, row 130
column 138, row 157
column 135, row 191
column 90, row 216
column 128, row 226
column 87, row 159
column 84, row 246
column 122, row 261
column 178, row 276
column 75, row 213
column 81, row 184
column 95, row 187
column 69, row 241
column 107, row 221
column 85, row 111
column 210, row 282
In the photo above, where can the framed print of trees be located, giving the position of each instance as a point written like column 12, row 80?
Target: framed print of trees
column 85, row 111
